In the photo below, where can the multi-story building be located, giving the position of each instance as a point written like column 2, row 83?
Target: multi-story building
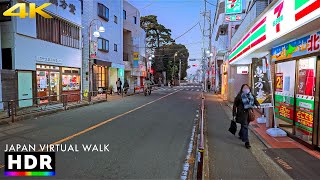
column 103, row 63
column 41, row 57
column 133, row 46
column 225, row 25
column 280, row 40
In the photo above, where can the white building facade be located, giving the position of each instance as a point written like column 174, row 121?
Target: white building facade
column 107, row 59
column 41, row 57
column 133, row 46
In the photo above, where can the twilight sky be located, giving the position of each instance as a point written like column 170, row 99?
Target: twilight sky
column 179, row 16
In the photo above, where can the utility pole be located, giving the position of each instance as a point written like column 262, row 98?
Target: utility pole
column 210, row 49
column 179, row 70
column 203, row 46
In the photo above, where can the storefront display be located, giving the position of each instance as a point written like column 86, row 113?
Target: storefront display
column 295, row 83
column 284, row 94
column 54, row 81
column 305, row 98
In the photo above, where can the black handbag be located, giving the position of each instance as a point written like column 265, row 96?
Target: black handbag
column 233, row 127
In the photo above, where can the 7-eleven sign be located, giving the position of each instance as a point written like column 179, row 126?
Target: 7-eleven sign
column 305, row 7
column 233, row 6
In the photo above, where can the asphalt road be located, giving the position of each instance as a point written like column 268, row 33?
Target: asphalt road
column 147, row 136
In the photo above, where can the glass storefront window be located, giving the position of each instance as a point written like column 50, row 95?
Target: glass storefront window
column 99, row 76
column 284, row 94
column 305, row 98
column 70, row 79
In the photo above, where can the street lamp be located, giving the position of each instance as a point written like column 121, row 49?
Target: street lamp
column 174, row 59
column 96, row 34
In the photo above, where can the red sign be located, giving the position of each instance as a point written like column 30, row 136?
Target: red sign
column 305, row 118
column 286, row 112
column 279, row 82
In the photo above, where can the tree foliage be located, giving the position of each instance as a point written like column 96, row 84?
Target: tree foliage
column 157, row 35
column 171, row 64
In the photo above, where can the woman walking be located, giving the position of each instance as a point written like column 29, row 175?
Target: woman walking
column 243, row 102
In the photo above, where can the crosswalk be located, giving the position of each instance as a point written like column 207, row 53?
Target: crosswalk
column 182, row 88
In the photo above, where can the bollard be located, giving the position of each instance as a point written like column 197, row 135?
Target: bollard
column 12, row 109
column 89, row 96
column 65, row 101
column 107, row 95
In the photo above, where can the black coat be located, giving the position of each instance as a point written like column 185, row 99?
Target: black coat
column 241, row 114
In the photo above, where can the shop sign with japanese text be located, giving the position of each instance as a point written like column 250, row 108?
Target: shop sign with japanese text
column 302, row 46
column 261, row 85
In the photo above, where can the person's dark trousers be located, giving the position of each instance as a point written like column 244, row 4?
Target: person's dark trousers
column 119, row 90
column 244, row 133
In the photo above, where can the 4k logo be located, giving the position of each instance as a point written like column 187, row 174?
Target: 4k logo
column 33, row 10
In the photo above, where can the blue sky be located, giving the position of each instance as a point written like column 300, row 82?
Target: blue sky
column 179, row 16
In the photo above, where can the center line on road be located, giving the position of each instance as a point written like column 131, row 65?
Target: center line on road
column 109, row 120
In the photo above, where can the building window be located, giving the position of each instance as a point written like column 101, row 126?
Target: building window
column 124, row 14
column 103, row 44
column 6, row 58
column 58, row 31
column 3, row 7
column 99, row 76
column 103, row 12
column 115, row 19
column 134, row 19
column 70, row 79
column 115, row 47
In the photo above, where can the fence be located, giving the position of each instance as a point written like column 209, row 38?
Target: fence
column 58, row 102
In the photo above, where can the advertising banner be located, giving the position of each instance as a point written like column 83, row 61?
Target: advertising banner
column 304, row 113
column 261, row 85
column 93, row 49
column 279, row 82
column 299, row 47
column 136, row 59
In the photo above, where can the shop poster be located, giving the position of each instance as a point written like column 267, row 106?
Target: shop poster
column 302, row 46
column 261, row 85
column 284, row 91
column 43, row 82
column 305, row 95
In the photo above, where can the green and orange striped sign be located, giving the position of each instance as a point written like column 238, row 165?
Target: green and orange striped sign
column 255, row 36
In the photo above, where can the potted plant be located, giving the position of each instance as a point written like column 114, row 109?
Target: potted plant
column 111, row 89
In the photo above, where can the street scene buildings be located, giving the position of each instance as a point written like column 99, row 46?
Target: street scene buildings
column 235, row 92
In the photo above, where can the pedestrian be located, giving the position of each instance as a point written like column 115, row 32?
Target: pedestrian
column 209, row 85
column 243, row 102
column 119, row 84
column 125, row 86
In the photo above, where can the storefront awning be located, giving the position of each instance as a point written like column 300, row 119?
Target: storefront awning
column 102, row 63
column 281, row 21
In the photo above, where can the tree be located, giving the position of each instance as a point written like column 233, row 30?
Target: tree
column 171, row 66
column 157, row 35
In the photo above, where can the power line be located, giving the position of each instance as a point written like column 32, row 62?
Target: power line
column 187, row 31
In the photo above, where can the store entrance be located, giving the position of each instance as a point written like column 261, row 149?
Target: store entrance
column 48, row 83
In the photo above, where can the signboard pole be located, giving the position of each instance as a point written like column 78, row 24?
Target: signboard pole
column 274, row 132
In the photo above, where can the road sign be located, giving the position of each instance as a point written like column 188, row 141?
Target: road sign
column 233, row 6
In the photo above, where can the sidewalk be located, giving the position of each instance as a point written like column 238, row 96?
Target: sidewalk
column 36, row 111
column 297, row 160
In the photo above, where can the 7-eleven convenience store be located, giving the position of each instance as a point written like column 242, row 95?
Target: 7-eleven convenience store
column 286, row 36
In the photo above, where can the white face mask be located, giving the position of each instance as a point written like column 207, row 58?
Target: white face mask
column 246, row 91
